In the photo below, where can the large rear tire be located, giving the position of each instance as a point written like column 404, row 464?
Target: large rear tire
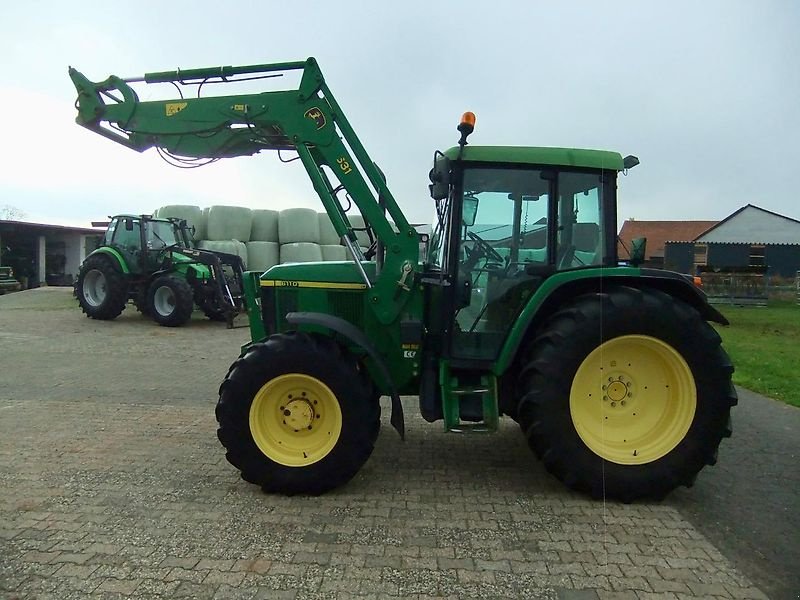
column 101, row 289
column 170, row 301
column 296, row 415
column 626, row 394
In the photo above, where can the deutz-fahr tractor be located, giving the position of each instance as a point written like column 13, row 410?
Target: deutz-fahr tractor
column 153, row 263
column 517, row 305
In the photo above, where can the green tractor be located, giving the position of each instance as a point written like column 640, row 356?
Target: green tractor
column 153, row 263
column 516, row 304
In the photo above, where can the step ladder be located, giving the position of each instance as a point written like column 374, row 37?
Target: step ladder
column 455, row 394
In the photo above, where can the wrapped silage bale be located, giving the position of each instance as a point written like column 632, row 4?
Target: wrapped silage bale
column 296, row 252
column 327, row 234
column 265, row 226
column 192, row 214
column 227, row 246
column 229, row 223
column 262, row 255
column 333, row 252
column 298, row 225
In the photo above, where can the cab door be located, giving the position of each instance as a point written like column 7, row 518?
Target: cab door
column 504, row 252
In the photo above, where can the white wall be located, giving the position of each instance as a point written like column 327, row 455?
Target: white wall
column 755, row 226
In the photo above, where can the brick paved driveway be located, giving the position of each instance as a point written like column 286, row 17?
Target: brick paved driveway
column 114, row 485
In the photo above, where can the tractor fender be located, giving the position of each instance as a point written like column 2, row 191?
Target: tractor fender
column 560, row 288
column 359, row 338
column 120, row 261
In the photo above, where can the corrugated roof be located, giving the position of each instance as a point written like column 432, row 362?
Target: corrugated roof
column 658, row 233
column 49, row 226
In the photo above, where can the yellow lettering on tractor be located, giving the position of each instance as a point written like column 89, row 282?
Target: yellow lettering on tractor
column 173, row 108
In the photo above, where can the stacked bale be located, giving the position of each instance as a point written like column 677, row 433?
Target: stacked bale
column 299, row 234
column 327, row 234
column 228, row 246
column 193, row 215
column 229, row 223
column 333, row 252
column 265, row 226
column 262, row 256
column 263, row 237
column 296, row 252
column 263, row 249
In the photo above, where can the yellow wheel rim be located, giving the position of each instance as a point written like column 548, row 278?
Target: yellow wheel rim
column 295, row 420
column 633, row 399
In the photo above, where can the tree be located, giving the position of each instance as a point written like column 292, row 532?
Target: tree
column 11, row 213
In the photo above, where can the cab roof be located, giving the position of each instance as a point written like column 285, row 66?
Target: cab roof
column 532, row 155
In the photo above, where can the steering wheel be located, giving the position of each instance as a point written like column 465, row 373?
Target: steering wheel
column 482, row 249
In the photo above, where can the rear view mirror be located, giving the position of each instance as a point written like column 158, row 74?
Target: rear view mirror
column 128, row 224
column 469, row 210
column 440, row 177
column 638, row 251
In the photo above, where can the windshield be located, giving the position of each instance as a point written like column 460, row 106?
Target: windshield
column 160, row 234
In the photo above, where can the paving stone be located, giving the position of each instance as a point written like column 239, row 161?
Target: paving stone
column 128, row 493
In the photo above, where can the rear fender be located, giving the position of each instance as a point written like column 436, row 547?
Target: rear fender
column 116, row 257
column 559, row 289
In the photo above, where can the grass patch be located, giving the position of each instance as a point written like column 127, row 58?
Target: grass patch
column 764, row 344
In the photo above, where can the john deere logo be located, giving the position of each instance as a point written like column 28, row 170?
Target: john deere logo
column 316, row 115
column 173, row 108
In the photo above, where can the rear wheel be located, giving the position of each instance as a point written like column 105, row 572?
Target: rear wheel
column 296, row 415
column 626, row 394
column 102, row 290
column 170, row 300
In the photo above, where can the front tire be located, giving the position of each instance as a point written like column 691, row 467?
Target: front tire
column 102, row 291
column 296, row 415
column 626, row 394
column 170, row 301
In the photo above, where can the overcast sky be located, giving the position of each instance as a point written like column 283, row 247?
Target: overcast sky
column 706, row 94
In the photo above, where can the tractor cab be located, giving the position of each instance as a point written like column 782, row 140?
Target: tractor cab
column 142, row 239
column 512, row 218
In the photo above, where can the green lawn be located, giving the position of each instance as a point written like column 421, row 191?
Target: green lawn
column 764, row 344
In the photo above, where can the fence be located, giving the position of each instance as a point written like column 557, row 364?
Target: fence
column 736, row 288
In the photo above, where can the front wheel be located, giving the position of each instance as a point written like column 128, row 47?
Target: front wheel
column 297, row 415
column 170, row 300
column 626, row 394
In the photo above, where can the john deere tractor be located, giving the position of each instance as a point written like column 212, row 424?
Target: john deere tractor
column 517, row 306
column 153, row 263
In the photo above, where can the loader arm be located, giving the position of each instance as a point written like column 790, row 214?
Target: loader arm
column 307, row 120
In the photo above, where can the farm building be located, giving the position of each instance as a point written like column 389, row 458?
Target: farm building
column 751, row 239
column 658, row 233
column 43, row 254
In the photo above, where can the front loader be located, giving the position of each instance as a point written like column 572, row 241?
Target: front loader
column 516, row 307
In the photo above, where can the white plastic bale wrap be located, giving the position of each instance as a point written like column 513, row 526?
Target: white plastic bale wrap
column 229, row 223
column 228, row 246
column 265, row 226
column 333, row 252
column 193, row 215
column 327, row 234
column 262, row 255
column 300, row 252
column 298, row 225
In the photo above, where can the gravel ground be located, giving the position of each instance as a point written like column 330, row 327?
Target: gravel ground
column 114, row 485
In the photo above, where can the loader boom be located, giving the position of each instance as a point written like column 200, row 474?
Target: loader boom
column 307, row 120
